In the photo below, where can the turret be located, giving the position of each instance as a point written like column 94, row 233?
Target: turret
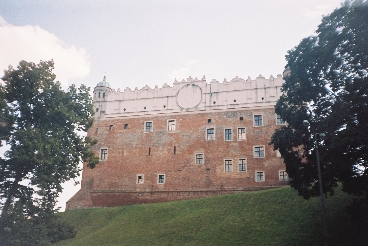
column 100, row 95
column 101, row 90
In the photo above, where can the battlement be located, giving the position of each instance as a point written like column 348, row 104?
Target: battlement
column 191, row 95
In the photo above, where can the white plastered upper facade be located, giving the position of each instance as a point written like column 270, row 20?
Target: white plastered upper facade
column 189, row 95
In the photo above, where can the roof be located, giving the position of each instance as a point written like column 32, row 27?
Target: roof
column 103, row 83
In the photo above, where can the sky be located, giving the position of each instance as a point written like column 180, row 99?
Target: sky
column 136, row 43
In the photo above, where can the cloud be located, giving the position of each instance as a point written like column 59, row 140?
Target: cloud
column 185, row 70
column 318, row 10
column 32, row 43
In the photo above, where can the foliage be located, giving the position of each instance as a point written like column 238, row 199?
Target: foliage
column 34, row 231
column 41, row 124
column 326, row 83
column 271, row 217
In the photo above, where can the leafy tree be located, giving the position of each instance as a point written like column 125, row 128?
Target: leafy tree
column 326, row 83
column 41, row 124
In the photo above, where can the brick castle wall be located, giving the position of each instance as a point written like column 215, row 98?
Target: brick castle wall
column 182, row 142
column 133, row 153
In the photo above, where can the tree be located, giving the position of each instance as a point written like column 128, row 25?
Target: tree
column 41, row 124
column 326, row 83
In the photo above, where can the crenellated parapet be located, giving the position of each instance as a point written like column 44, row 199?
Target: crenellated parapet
column 191, row 95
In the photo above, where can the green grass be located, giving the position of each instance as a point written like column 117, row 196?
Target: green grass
column 270, row 217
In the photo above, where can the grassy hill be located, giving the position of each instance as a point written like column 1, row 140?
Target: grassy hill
column 270, row 217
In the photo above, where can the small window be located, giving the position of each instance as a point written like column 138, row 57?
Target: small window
column 111, row 126
column 96, row 110
column 210, row 134
column 161, row 178
column 174, row 150
column 260, row 176
column 126, row 126
column 140, row 179
column 148, row 126
column 171, row 125
column 241, row 118
column 228, row 165
column 209, row 121
column 99, row 94
column 258, row 120
column 242, row 165
column 259, row 151
column 103, row 155
column 283, row 176
column 228, row 134
column 199, row 159
column 103, row 95
column 149, row 151
column 241, row 133
column 279, row 121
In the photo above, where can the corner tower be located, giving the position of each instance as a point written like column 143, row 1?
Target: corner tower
column 100, row 95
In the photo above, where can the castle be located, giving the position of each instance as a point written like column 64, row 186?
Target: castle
column 189, row 140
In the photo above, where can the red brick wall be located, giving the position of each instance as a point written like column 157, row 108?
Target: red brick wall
column 114, row 181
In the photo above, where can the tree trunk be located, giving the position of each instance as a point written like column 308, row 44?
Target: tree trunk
column 10, row 197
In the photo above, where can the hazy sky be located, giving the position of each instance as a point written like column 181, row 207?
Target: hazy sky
column 137, row 43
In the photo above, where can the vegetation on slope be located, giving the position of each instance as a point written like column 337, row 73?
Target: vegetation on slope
column 270, row 217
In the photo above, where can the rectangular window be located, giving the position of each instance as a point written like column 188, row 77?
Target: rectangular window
column 140, row 179
column 148, row 126
column 199, row 159
column 283, row 176
column 279, row 121
column 161, row 178
column 228, row 165
column 259, row 151
column 257, row 120
column 228, row 134
column 103, row 155
column 242, row 165
column 210, row 134
column 209, row 121
column 241, row 133
column 260, row 176
column 111, row 126
column 171, row 125
column 126, row 126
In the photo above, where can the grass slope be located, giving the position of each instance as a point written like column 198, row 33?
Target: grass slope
column 270, row 217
